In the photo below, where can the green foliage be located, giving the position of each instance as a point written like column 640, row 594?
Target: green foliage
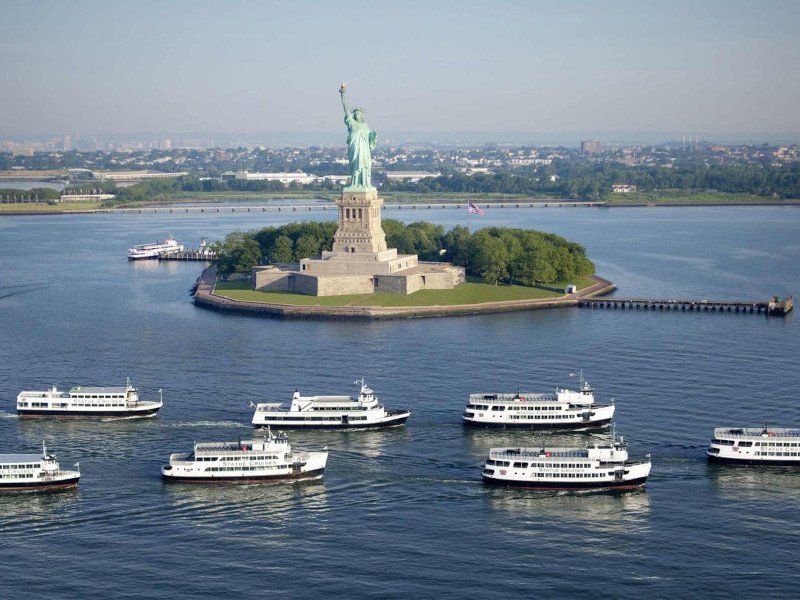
column 495, row 254
column 239, row 253
column 35, row 194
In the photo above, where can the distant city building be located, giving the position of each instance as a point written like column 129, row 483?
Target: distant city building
column 298, row 177
column 590, row 146
column 412, row 176
column 95, row 197
column 67, row 143
column 134, row 176
column 623, row 188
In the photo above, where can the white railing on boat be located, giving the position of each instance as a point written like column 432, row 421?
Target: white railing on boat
column 743, row 432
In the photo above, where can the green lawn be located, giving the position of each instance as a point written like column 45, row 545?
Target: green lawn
column 679, row 197
column 43, row 207
column 467, row 293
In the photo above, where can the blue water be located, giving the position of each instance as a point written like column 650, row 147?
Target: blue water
column 401, row 513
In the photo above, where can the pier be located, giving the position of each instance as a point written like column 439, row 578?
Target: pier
column 767, row 307
column 189, row 255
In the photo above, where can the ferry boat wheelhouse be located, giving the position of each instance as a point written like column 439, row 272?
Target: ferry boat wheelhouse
column 329, row 412
column 767, row 446
column 34, row 472
column 154, row 250
column 88, row 402
column 598, row 466
column 565, row 409
column 267, row 459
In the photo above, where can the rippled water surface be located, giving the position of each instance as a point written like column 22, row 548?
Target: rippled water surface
column 401, row 512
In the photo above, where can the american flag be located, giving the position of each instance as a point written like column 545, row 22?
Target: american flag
column 472, row 209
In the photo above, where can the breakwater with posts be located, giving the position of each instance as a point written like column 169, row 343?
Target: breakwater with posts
column 290, row 208
column 775, row 306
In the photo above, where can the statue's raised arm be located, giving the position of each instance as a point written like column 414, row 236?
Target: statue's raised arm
column 342, row 90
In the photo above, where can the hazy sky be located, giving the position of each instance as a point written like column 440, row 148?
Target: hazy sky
column 141, row 66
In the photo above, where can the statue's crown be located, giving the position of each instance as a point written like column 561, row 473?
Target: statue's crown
column 359, row 109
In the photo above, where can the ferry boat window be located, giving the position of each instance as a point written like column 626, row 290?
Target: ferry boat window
column 745, row 444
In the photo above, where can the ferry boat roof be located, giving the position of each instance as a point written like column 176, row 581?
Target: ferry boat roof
column 542, row 452
column 19, row 458
column 756, row 432
column 99, row 390
column 241, row 445
column 328, row 398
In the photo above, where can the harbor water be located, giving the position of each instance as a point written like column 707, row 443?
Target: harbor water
column 402, row 512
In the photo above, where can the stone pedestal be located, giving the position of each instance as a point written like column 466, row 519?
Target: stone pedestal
column 359, row 223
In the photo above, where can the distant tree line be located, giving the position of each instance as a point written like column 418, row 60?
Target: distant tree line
column 593, row 181
column 515, row 256
column 32, row 195
column 563, row 179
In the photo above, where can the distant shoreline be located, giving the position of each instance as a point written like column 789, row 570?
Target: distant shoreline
column 161, row 208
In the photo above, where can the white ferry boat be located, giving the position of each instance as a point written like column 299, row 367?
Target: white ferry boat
column 566, row 409
column 88, row 402
column 246, row 461
column 598, row 466
column 329, row 412
column 32, row 472
column 154, row 250
column 767, row 446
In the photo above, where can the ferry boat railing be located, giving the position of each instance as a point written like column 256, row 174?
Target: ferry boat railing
column 749, row 433
column 519, row 397
column 540, row 454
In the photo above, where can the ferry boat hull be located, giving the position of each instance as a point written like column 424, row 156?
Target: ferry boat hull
column 578, row 485
column 751, row 462
column 279, row 478
column 584, row 425
column 391, row 420
column 40, row 486
column 77, row 414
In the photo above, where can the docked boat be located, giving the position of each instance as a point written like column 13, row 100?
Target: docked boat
column 267, row 459
column 88, row 402
column 565, row 409
column 598, row 466
column 154, row 250
column 34, row 472
column 766, row 446
column 329, row 412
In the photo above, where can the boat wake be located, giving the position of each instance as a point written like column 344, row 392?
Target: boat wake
column 228, row 424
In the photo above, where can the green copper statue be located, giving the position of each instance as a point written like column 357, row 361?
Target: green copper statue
column 360, row 144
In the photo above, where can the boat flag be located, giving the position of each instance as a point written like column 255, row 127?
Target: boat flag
column 474, row 210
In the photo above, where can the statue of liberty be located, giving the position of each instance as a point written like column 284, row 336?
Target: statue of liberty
column 360, row 144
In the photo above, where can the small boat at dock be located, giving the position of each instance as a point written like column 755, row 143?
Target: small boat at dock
column 154, row 250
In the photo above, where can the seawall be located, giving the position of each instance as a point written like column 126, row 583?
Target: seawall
column 205, row 297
